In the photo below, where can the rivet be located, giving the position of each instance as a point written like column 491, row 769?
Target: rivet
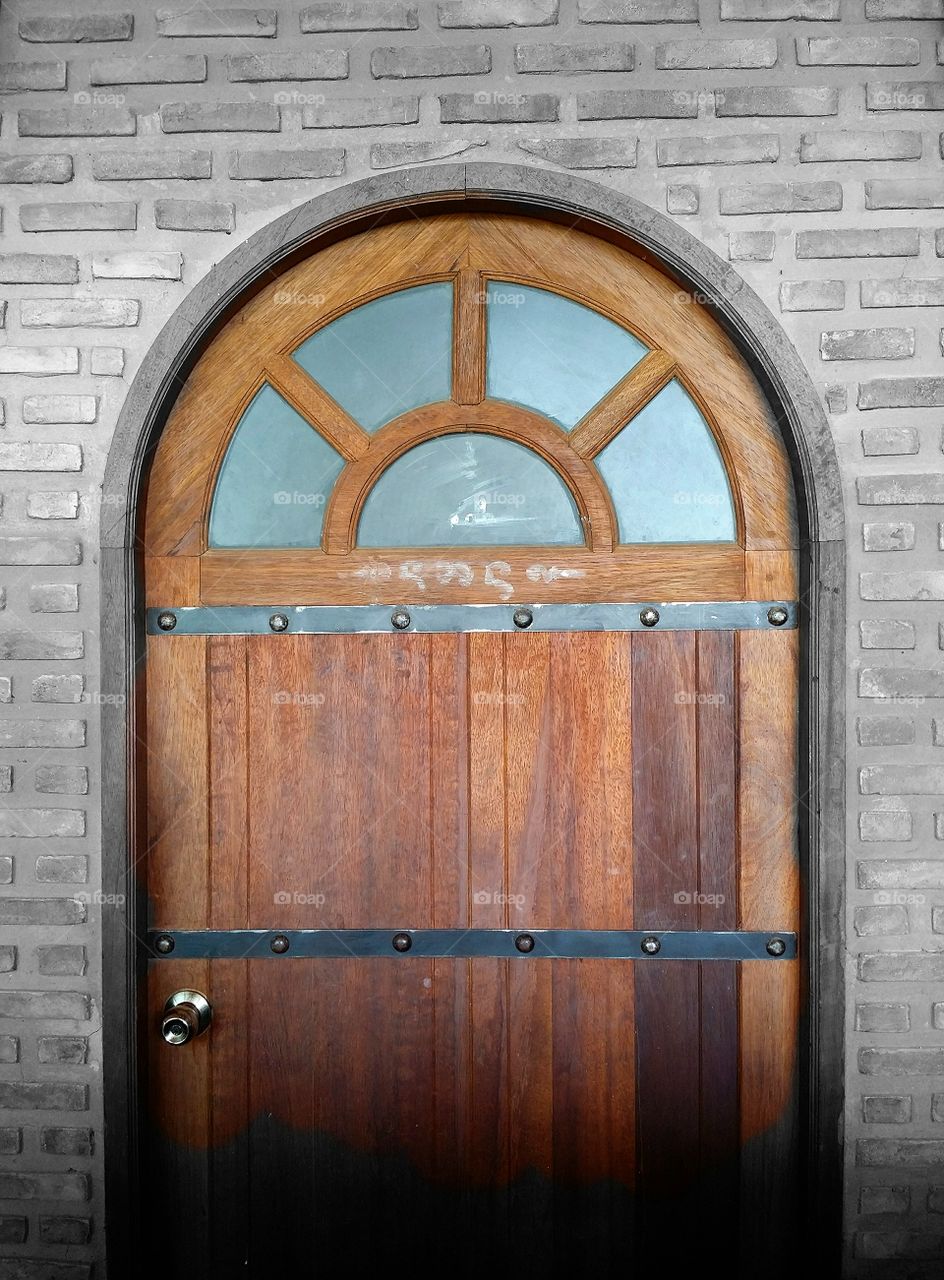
column 777, row 616
column 402, row 942
column 164, row 945
column 278, row 622
column 522, row 618
column 167, row 620
column 400, row 618
column 279, row 944
column 776, row 947
column 651, row 946
column 649, row 617
column 524, row 942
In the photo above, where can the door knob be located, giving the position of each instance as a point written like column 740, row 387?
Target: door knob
column 187, row 1014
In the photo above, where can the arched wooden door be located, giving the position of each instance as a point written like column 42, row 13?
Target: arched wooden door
column 471, row 731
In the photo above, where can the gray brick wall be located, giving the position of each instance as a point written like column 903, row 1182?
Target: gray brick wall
column 801, row 139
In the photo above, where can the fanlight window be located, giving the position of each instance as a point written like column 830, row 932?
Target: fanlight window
column 552, row 365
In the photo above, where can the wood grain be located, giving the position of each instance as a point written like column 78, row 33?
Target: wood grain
column 632, row 393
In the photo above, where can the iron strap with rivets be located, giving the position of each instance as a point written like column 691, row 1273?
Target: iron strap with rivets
column 717, row 615
column 566, row 944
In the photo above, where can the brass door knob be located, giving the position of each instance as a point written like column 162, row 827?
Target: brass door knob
column 187, row 1014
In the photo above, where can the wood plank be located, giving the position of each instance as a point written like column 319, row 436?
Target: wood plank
column 631, row 394
column 468, row 377
column 311, row 400
column 171, row 580
column 493, row 575
column 770, row 575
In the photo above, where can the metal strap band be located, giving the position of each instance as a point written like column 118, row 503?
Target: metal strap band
column 573, row 944
column 718, row 615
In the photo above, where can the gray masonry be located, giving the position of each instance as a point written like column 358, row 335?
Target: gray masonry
column 799, row 139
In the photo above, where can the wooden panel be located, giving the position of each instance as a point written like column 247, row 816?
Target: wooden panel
column 597, row 428
column 173, row 580
column 770, row 575
column 468, row 377
column 313, row 402
column 496, row 575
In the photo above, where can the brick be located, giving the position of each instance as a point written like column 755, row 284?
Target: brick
column 714, row 55
column 882, row 10
column 66, row 1142
column 637, row 104
column 69, row 1051
column 430, row 60
column 137, row 264
column 900, row 490
column 885, row 826
column 887, row 242
column 12, row 1229
column 46, row 1186
column 74, row 1005
column 203, row 21
column 893, row 193
column 751, row 246
column 135, row 166
column 388, row 155
column 42, row 733
column 89, row 28
column 899, row 292
column 903, row 966
column 584, row 153
column 36, row 77
column 89, row 313
column 927, row 585
column 11, row 1141
column 271, row 166
column 497, row 107
column 737, row 148
column 781, row 197
column 681, row 199
column 860, row 144
column 878, row 1017
column 892, row 536
column 29, row 551
column 361, row 113
column 8, row 958
column 937, row 1022
column 194, row 215
column 905, row 95
column 77, row 122
column 317, row 64
column 42, row 911
column 872, row 922
column 902, row 393
column 24, row 456
column 885, row 633
column 901, row 780
column 108, row 362
column 867, row 344
column 61, row 960
column 83, row 215
column 9, row 1049
column 808, row 100
column 637, row 11
column 66, row 1231
column 887, row 1109
column 779, row 10
column 895, row 682
column 52, row 504
column 57, row 688
column 812, row 295
column 61, row 779
column 6, row 786
column 901, row 1062
column 899, row 1152
column 38, row 268
column 861, row 51
column 149, row 69
column 885, row 731
column 359, row 15
column 220, row 117
column 60, row 409
column 30, row 169
column 571, row 59
column 497, row 13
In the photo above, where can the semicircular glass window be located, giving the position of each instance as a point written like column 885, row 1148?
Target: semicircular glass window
column 551, row 354
column 469, row 490
column 385, row 356
column 276, row 477
column 666, row 475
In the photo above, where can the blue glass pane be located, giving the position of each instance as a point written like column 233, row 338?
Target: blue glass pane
column 387, row 356
column 275, row 479
column 666, row 476
column 553, row 355
column 469, row 490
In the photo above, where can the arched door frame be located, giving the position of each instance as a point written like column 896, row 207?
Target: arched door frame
column 789, row 388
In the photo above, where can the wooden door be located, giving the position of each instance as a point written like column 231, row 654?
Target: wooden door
column 450, row 834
